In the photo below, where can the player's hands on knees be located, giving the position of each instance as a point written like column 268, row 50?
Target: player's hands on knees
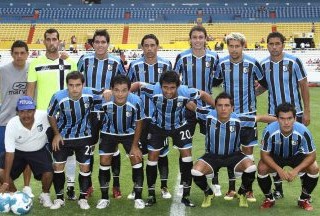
column 4, row 188
column 306, row 118
column 191, row 106
column 283, row 175
column 57, row 140
column 292, row 175
column 136, row 153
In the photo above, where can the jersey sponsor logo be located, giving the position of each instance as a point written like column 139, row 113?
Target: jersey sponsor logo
column 44, row 68
column 142, row 72
column 40, row 128
column 19, row 85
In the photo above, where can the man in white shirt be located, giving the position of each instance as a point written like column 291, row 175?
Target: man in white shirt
column 25, row 144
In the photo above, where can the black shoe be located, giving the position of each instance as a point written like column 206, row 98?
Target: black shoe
column 70, row 193
column 277, row 194
column 150, row 201
column 187, row 202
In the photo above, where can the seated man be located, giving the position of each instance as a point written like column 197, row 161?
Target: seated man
column 223, row 138
column 25, row 144
column 288, row 143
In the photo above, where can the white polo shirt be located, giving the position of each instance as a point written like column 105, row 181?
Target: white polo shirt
column 20, row 138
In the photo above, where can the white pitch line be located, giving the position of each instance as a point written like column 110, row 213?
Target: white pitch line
column 177, row 208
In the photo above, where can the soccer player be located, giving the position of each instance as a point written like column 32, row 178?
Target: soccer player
column 122, row 123
column 25, row 143
column 288, row 143
column 287, row 82
column 68, row 114
column 46, row 75
column 196, row 67
column 98, row 69
column 148, row 69
column 223, row 138
column 239, row 72
column 13, row 78
column 169, row 119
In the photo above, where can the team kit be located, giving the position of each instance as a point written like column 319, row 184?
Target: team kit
column 71, row 109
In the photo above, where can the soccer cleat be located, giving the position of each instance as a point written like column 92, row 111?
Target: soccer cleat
column 187, row 202
column 216, row 190
column 83, row 203
column 305, row 204
column 180, row 191
column 165, row 193
column 45, row 199
column 243, row 201
column 89, row 192
column 57, row 203
column 207, row 200
column 27, row 190
column 230, row 195
column 139, row 204
column 131, row 195
column 250, row 196
column 277, row 194
column 151, row 201
column 116, row 192
column 267, row 203
column 103, row 203
column 70, row 193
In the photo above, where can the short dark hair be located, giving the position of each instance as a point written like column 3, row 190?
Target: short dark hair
column 75, row 75
column 276, row 35
column 150, row 36
column 120, row 79
column 198, row 28
column 224, row 95
column 19, row 43
column 286, row 107
column 101, row 32
column 51, row 31
column 170, row 76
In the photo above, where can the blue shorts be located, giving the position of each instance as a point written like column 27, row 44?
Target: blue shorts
column 2, row 132
column 40, row 162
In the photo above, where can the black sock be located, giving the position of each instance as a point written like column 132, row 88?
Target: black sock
column 58, row 183
column 232, row 180
column 115, row 166
column 308, row 185
column 265, row 185
column 277, row 183
column 84, row 181
column 247, row 180
column 215, row 179
column 104, row 180
column 91, row 169
column 201, row 182
column 151, row 178
column 163, row 170
column 138, row 181
column 180, row 164
column 186, row 177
